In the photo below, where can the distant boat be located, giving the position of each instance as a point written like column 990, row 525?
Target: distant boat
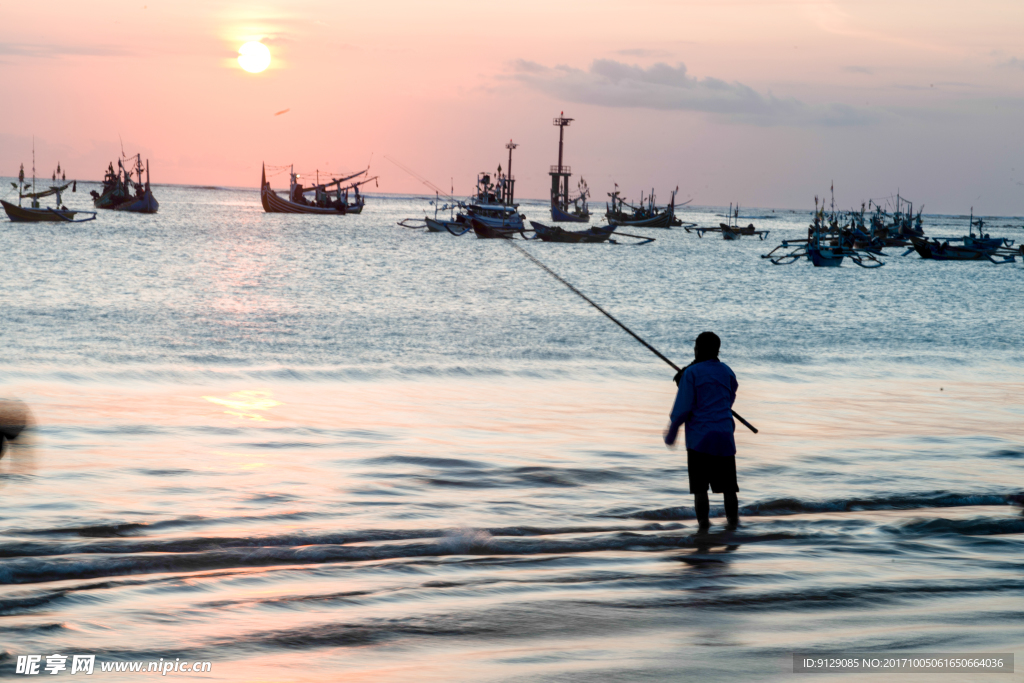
column 817, row 247
column 37, row 213
column 731, row 230
column 645, row 215
column 560, row 199
column 325, row 201
column 553, row 233
column 122, row 192
column 489, row 232
column 970, row 248
column 493, row 203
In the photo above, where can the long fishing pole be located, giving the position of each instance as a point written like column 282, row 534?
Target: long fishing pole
column 420, row 178
column 615, row 320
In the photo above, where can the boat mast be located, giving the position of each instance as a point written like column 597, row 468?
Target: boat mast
column 560, row 174
column 510, row 181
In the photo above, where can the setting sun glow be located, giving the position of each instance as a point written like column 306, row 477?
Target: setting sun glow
column 254, row 57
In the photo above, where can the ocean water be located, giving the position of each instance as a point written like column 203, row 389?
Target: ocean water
column 332, row 448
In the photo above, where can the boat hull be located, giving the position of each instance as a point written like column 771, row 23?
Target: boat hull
column 21, row 214
column 824, row 258
column 272, row 203
column 945, row 251
column 550, row 233
column 453, row 227
column 512, row 222
column 662, row 220
column 488, row 232
column 146, row 204
column 560, row 216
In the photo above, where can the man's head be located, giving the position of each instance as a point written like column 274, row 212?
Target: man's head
column 707, row 345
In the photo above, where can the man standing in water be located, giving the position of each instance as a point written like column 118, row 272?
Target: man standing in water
column 707, row 390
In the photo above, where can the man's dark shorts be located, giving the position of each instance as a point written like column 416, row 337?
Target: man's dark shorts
column 718, row 471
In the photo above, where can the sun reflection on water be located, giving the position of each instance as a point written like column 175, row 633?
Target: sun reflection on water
column 244, row 404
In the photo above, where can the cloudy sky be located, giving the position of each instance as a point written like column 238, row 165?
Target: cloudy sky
column 760, row 102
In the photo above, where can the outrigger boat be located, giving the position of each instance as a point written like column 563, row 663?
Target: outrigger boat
column 123, row 193
column 325, row 201
column 894, row 230
column 491, row 212
column 819, row 249
column 553, row 233
column 732, row 229
column 456, row 225
column 37, row 213
column 489, row 232
column 970, row 248
column 645, row 215
column 560, row 199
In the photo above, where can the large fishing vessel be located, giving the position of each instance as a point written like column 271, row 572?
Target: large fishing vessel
column 125, row 190
column 564, row 208
column 329, row 198
column 493, row 211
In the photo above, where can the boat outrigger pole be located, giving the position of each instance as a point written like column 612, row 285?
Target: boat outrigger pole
column 583, row 296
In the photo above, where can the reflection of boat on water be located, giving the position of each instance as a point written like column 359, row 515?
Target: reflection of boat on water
column 35, row 212
column 325, row 201
column 122, row 192
column 560, row 199
column 645, row 215
column 553, row 233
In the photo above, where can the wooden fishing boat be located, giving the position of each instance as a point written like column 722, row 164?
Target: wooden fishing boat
column 455, row 227
column 566, row 208
column 325, row 201
column 492, row 206
column 967, row 248
column 35, row 212
column 553, row 233
column 19, row 214
column 125, row 190
column 645, row 215
column 489, row 232
column 731, row 230
column 817, row 248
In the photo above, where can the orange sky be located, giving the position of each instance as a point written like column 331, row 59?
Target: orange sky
column 760, row 102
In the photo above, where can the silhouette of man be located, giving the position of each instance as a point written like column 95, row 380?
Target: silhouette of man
column 707, row 390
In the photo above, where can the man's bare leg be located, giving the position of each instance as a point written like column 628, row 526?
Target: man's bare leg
column 732, row 509
column 702, row 506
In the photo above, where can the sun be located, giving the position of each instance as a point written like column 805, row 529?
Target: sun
column 254, row 57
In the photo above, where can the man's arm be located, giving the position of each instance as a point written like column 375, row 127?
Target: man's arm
column 681, row 409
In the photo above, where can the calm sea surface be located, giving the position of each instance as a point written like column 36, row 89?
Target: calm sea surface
column 330, row 448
